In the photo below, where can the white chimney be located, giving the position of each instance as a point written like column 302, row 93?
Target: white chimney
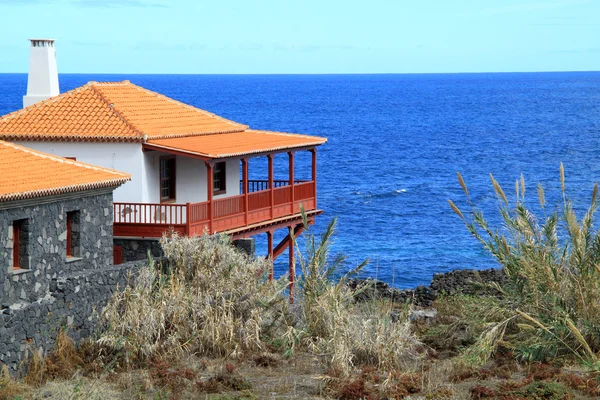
column 42, row 82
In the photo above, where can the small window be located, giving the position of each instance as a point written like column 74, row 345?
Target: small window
column 219, row 178
column 20, row 256
column 73, row 224
column 167, row 178
column 71, row 158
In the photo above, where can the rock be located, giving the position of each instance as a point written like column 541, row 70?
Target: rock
column 457, row 281
column 426, row 315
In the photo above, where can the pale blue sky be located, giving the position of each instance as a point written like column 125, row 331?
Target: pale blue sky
column 308, row 36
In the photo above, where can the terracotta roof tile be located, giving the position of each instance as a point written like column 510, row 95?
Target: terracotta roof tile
column 122, row 111
column 111, row 111
column 28, row 173
column 236, row 143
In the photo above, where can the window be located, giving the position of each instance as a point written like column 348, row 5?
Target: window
column 167, row 178
column 219, row 178
column 20, row 230
column 71, row 158
column 73, row 234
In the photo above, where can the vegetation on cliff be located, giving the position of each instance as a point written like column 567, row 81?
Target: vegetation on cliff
column 209, row 323
column 551, row 306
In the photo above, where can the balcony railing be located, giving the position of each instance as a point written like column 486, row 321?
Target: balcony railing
column 258, row 185
column 222, row 215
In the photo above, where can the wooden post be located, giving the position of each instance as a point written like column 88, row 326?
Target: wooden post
column 245, row 185
column 188, row 219
column 271, row 184
column 292, row 265
column 314, row 173
column 291, row 161
column 270, row 253
column 209, row 195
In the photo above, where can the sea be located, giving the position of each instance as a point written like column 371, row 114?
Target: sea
column 395, row 144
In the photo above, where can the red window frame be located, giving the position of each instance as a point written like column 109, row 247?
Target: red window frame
column 69, row 234
column 16, row 245
column 220, row 178
column 169, row 180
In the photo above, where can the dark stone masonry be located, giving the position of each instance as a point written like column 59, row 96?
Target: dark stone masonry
column 50, row 290
column 136, row 249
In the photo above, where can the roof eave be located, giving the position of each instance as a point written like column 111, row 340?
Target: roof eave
column 207, row 157
column 64, row 189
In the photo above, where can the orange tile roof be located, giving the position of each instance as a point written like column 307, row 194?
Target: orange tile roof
column 111, row 111
column 28, row 173
column 235, row 144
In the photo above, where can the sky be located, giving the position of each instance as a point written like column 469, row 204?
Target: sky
column 307, row 36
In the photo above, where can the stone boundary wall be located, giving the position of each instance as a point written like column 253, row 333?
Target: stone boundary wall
column 136, row 249
column 73, row 301
column 457, row 281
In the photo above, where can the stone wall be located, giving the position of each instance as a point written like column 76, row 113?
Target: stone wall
column 246, row 245
column 136, row 249
column 73, row 302
column 52, row 290
column 45, row 240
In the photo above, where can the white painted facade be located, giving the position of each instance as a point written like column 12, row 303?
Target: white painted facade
column 42, row 81
column 190, row 178
column 144, row 167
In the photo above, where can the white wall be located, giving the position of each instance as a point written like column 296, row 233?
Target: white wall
column 190, row 178
column 144, row 168
column 124, row 157
column 232, row 169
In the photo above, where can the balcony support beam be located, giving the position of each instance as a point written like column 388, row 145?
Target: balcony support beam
column 245, row 186
column 209, row 195
column 270, row 253
column 280, row 248
column 292, row 272
column 271, row 183
column 291, row 168
column 313, row 152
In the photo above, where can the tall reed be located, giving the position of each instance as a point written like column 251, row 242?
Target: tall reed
column 553, row 264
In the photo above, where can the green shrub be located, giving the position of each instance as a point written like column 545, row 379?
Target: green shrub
column 553, row 265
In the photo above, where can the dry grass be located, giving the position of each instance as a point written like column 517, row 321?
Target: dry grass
column 9, row 387
column 213, row 301
column 346, row 334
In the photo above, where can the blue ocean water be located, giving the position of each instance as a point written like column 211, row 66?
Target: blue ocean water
column 395, row 145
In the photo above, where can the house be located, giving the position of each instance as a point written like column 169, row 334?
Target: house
column 189, row 167
column 55, row 227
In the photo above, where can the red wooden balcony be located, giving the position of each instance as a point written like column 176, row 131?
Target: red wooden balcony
column 261, row 205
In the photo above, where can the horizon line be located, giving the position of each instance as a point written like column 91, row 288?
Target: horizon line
column 316, row 73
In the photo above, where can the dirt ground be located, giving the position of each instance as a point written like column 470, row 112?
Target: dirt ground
column 304, row 377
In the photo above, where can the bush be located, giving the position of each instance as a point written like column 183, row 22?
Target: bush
column 346, row 333
column 553, row 265
column 215, row 301
column 212, row 301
